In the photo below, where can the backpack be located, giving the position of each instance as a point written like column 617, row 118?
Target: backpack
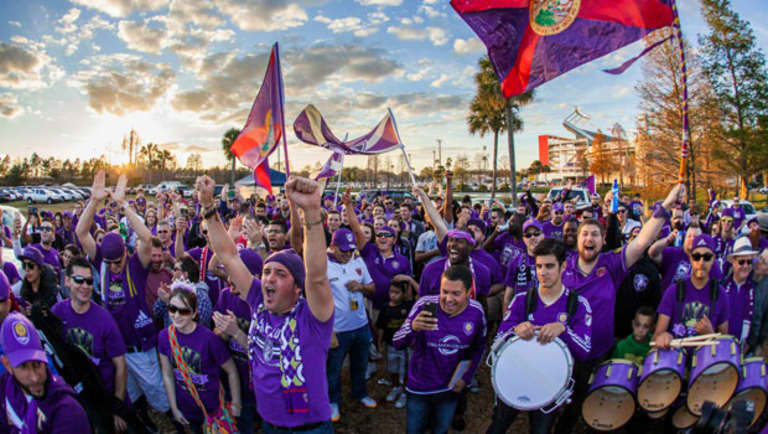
column 570, row 305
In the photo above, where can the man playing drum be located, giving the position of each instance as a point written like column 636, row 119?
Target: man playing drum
column 704, row 304
column 596, row 275
column 550, row 317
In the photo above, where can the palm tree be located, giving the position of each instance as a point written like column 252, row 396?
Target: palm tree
column 487, row 113
column 226, row 143
column 131, row 144
column 151, row 154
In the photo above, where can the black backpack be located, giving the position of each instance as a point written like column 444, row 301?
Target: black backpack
column 570, row 305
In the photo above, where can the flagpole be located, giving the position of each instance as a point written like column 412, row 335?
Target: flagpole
column 402, row 147
column 338, row 179
column 282, row 112
column 684, row 75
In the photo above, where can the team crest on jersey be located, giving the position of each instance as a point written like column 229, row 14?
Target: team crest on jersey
column 550, row 17
column 468, row 327
column 563, row 317
column 601, row 272
column 588, row 320
column 359, row 271
column 640, row 282
column 395, row 264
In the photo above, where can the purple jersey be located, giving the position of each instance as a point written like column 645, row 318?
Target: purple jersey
column 96, row 334
column 204, row 353
column 382, row 270
column 506, row 248
column 50, row 256
column 288, row 393
column 552, row 230
column 599, row 287
column 431, row 276
column 675, row 266
column 578, row 328
column 738, row 215
column 521, row 274
column 437, row 353
column 241, row 310
column 696, row 303
column 213, row 282
column 483, row 257
column 741, row 307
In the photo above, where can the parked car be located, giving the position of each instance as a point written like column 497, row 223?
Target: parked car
column 40, row 195
column 86, row 191
column 185, row 191
column 6, row 195
column 66, row 196
column 749, row 210
column 76, row 194
column 581, row 195
column 167, row 186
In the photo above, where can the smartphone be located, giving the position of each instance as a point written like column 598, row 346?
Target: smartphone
column 431, row 308
column 231, row 194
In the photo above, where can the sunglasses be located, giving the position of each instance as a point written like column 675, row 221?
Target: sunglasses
column 558, row 213
column 727, row 219
column 81, row 279
column 205, row 231
column 29, row 265
column 744, row 262
column 699, row 256
column 183, row 311
column 531, row 234
column 384, row 234
column 112, row 261
column 46, row 229
column 162, row 232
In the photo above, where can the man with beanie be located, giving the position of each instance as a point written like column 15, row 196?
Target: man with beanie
column 124, row 279
column 292, row 316
column 33, row 399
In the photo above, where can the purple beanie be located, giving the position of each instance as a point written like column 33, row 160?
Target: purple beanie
column 293, row 262
column 252, row 261
column 112, row 246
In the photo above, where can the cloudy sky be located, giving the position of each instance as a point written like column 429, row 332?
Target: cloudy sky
column 76, row 76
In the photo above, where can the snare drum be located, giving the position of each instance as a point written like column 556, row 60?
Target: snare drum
column 661, row 378
column 714, row 374
column 753, row 385
column 528, row 375
column 610, row 401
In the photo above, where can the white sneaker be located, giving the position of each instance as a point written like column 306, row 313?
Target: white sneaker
column 394, row 393
column 335, row 415
column 368, row 402
column 400, row 403
column 384, row 382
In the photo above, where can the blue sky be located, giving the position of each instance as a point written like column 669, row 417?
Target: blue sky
column 76, row 76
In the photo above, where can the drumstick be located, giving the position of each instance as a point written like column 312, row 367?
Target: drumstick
column 702, row 337
column 677, row 344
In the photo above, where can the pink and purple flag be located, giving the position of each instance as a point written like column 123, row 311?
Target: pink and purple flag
column 589, row 184
column 311, row 128
column 265, row 125
column 533, row 41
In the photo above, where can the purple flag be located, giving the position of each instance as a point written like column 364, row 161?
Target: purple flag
column 310, row 127
column 333, row 166
column 589, row 184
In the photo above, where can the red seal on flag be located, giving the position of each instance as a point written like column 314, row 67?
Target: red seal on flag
column 550, row 17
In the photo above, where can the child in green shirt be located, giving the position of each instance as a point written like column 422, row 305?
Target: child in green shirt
column 635, row 346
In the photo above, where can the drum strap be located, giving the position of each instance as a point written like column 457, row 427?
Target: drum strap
column 571, row 303
column 714, row 293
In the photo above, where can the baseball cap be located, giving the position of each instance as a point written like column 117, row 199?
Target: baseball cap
column 344, row 239
column 557, row 206
column 20, row 340
column 703, row 241
column 112, row 246
column 532, row 223
column 477, row 222
column 32, row 254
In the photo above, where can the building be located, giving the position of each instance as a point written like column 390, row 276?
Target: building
column 587, row 152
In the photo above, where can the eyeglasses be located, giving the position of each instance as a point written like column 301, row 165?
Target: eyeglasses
column 163, row 232
column 46, row 229
column 744, row 262
column 81, row 279
column 622, row 211
column 112, row 261
column 29, row 265
column 183, row 311
column 384, row 234
column 699, row 256
column 531, row 234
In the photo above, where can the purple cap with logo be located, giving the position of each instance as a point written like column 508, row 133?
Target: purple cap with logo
column 5, row 286
column 32, row 254
column 703, row 241
column 20, row 340
column 252, row 261
column 557, row 206
column 727, row 212
column 112, row 246
column 477, row 222
column 532, row 223
column 141, row 201
column 344, row 239
column 66, row 214
column 460, row 235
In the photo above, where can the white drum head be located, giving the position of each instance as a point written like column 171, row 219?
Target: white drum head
column 528, row 375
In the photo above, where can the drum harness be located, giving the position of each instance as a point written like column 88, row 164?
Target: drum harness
column 570, row 309
column 714, row 292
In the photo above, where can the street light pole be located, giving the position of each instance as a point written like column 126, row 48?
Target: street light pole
column 511, row 146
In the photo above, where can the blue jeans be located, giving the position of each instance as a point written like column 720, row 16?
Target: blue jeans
column 248, row 415
column 357, row 344
column 504, row 416
column 323, row 428
column 438, row 409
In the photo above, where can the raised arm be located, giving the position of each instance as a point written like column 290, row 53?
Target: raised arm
column 448, row 201
column 178, row 245
column 354, row 223
column 83, row 228
column 652, row 227
column 294, row 233
column 306, row 193
column 221, row 243
column 440, row 228
column 143, row 234
column 656, row 250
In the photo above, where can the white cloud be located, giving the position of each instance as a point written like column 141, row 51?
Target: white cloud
column 141, row 37
column 472, row 45
column 349, row 24
column 322, row 19
column 122, row 8
column 15, row 23
column 377, row 17
column 380, row 2
column 198, row 12
column 440, row 81
column 22, row 65
column 437, row 35
column 430, row 2
column 263, row 15
column 431, row 12
column 621, row 92
column 67, row 22
column 9, row 106
column 409, row 33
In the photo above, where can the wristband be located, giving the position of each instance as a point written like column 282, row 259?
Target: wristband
column 310, row 224
column 661, row 213
column 210, row 212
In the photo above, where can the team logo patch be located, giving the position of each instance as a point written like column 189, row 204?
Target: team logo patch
column 359, row 271
column 468, row 327
column 640, row 282
column 350, row 238
column 550, row 17
column 601, row 272
column 21, row 333
column 395, row 264
column 563, row 317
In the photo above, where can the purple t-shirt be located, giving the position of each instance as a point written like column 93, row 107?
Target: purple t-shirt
column 124, row 297
column 382, row 270
column 738, row 216
column 96, row 334
column 431, row 276
column 287, row 394
column 204, row 353
column 506, row 247
column 213, row 282
column 599, row 287
column 50, row 256
column 675, row 265
column 485, row 258
column 723, row 248
column 437, row 353
column 578, row 330
column 11, row 272
column 521, row 273
column 552, row 230
column 741, row 307
column 696, row 304
column 241, row 310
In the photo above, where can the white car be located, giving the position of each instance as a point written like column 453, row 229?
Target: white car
column 76, row 194
column 167, row 186
column 580, row 194
column 40, row 195
column 65, row 195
